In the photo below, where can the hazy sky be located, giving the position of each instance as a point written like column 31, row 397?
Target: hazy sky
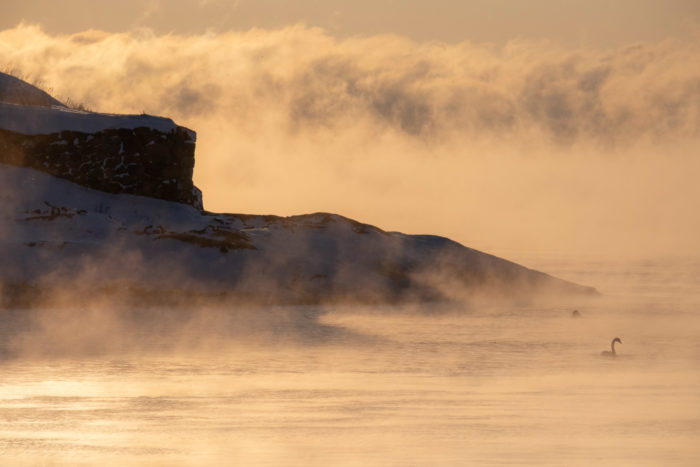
column 586, row 142
column 574, row 22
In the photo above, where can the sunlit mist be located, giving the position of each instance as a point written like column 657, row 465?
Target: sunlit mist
column 143, row 330
column 527, row 145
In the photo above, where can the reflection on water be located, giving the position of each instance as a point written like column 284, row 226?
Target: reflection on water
column 514, row 385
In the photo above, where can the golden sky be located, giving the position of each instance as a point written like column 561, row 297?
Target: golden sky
column 601, row 22
column 565, row 126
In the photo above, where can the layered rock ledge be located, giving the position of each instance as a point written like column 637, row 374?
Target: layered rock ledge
column 132, row 154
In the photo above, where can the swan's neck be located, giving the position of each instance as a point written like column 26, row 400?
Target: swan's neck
column 612, row 346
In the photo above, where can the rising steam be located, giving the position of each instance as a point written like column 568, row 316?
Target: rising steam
column 529, row 145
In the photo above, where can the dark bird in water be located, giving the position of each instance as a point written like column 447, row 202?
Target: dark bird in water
column 613, row 354
column 576, row 314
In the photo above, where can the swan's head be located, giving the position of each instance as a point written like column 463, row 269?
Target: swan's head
column 617, row 339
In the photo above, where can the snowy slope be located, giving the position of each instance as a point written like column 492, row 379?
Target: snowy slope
column 28, row 110
column 35, row 120
column 15, row 91
column 60, row 235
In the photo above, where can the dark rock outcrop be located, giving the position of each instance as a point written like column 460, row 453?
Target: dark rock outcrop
column 131, row 154
column 140, row 161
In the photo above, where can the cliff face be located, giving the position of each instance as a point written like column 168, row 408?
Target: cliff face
column 133, row 154
column 137, row 161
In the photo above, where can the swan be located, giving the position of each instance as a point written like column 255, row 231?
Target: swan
column 613, row 354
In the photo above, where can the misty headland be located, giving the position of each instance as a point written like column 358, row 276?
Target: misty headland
column 113, row 212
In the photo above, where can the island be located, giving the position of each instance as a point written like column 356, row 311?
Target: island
column 103, row 206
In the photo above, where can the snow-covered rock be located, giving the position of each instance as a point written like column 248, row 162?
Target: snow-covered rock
column 140, row 161
column 35, row 120
column 97, row 206
column 136, row 154
column 15, row 91
column 61, row 237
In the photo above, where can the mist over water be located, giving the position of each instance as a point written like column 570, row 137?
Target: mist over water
column 583, row 156
column 517, row 384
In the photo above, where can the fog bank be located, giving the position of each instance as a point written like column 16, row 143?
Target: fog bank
column 528, row 146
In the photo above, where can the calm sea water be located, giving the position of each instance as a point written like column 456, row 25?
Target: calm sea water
column 498, row 385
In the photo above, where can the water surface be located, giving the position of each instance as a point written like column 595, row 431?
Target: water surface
column 516, row 384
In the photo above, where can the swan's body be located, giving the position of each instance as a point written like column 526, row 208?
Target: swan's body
column 612, row 354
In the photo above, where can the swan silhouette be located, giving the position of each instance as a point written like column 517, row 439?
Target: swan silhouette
column 613, row 354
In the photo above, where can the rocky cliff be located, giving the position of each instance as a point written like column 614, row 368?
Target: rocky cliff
column 138, row 161
column 134, row 154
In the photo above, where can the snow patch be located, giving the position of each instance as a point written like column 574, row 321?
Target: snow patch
column 34, row 120
column 15, row 91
